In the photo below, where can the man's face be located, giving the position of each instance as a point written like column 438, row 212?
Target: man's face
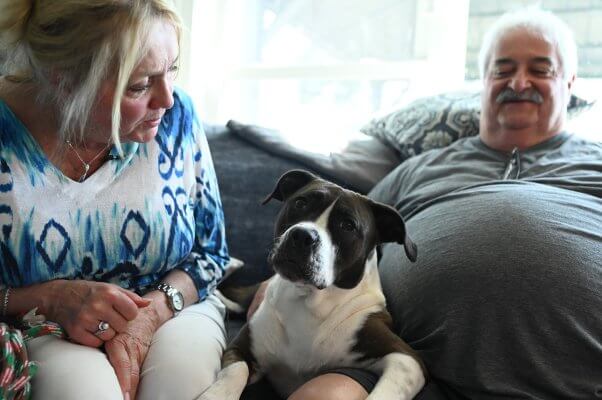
column 525, row 94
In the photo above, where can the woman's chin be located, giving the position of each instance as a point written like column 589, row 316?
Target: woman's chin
column 142, row 135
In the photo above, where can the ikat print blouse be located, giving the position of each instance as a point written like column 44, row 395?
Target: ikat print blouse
column 136, row 218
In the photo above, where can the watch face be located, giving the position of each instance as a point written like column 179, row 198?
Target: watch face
column 178, row 301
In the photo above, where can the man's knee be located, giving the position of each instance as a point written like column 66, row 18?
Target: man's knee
column 332, row 387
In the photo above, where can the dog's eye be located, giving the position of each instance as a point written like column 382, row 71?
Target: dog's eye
column 347, row 225
column 300, row 203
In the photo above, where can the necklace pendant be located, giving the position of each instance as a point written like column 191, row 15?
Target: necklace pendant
column 86, row 169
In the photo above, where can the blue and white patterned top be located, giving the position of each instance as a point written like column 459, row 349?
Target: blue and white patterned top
column 132, row 221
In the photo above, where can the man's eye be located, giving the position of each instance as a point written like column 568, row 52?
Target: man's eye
column 498, row 73
column 543, row 72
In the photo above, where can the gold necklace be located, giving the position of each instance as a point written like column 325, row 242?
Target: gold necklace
column 86, row 164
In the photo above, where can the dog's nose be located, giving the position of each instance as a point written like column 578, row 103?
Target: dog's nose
column 303, row 238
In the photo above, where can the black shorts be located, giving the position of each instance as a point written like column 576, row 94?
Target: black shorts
column 364, row 377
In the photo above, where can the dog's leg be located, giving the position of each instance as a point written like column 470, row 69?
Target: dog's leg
column 401, row 378
column 236, row 364
column 402, row 375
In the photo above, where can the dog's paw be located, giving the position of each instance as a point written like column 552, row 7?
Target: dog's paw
column 219, row 391
column 230, row 383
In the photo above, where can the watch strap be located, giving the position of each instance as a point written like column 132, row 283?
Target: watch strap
column 169, row 292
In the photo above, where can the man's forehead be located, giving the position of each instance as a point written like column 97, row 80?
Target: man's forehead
column 524, row 44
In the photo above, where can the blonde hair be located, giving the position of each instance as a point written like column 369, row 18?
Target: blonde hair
column 68, row 47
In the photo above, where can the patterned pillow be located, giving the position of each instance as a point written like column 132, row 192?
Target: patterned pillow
column 437, row 121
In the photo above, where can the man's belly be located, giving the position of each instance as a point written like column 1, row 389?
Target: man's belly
column 506, row 290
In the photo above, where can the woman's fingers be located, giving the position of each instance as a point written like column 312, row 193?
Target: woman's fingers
column 105, row 335
column 85, row 336
column 116, row 320
column 125, row 304
column 103, row 330
column 120, row 360
column 140, row 301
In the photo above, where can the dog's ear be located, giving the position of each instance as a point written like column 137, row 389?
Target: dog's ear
column 289, row 183
column 391, row 228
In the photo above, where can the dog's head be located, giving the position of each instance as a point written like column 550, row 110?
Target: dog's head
column 325, row 234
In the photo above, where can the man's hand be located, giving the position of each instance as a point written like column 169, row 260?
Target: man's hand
column 128, row 349
column 79, row 306
column 258, row 298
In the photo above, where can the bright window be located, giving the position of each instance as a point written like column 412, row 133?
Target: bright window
column 320, row 69
column 316, row 67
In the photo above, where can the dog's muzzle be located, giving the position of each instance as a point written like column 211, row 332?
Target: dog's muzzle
column 296, row 256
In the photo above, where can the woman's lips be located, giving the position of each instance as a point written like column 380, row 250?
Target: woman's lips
column 152, row 123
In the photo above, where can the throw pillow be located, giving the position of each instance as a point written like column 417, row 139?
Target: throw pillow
column 435, row 122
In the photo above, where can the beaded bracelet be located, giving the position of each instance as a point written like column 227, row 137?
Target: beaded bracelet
column 5, row 302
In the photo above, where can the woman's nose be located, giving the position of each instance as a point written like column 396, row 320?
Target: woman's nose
column 163, row 96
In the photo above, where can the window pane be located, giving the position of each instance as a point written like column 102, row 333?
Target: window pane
column 583, row 17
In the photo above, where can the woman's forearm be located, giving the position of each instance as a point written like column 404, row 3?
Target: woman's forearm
column 23, row 299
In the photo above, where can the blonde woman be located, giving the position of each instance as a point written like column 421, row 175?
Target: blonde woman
column 112, row 223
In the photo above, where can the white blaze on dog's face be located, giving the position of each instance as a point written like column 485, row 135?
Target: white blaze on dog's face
column 305, row 252
column 325, row 234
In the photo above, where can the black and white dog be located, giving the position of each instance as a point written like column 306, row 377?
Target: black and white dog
column 324, row 309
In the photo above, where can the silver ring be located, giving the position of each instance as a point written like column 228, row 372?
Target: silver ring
column 102, row 327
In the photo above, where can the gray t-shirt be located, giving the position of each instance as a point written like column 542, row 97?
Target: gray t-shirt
column 505, row 300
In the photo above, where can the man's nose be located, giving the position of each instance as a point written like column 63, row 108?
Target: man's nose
column 520, row 81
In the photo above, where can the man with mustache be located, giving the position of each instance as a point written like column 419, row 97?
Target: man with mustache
column 527, row 76
column 504, row 299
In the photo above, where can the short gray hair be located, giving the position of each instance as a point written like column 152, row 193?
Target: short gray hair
column 540, row 22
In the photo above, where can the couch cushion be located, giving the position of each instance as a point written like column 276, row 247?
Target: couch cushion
column 359, row 166
column 436, row 121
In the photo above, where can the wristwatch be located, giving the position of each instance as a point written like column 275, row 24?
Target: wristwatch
column 175, row 300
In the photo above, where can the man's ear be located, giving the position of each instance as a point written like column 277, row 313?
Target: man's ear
column 391, row 228
column 289, row 183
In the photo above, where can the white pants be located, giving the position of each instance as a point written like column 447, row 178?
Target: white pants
column 184, row 357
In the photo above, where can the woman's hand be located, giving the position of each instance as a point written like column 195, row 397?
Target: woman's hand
column 127, row 350
column 79, row 306
column 257, row 299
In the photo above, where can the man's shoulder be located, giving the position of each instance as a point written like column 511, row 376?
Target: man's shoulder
column 581, row 145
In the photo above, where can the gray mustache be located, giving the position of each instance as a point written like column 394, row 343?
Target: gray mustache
column 508, row 94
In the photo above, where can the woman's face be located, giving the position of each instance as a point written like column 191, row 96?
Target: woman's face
column 149, row 91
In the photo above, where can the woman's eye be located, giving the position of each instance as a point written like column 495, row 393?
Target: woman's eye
column 300, row 203
column 173, row 69
column 347, row 225
column 138, row 88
